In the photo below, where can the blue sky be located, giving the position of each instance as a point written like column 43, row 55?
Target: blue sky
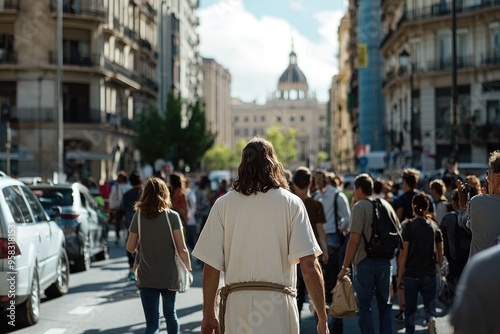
column 252, row 39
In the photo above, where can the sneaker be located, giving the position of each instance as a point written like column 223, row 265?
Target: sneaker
column 400, row 317
column 432, row 326
column 131, row 276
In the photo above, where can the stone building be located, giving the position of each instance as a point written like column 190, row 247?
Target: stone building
column 418, row 80
column 109, row 76
column 292, row 105
column 217, row 100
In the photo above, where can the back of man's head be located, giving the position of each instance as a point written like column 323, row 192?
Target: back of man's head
column 302, row 177
column 411, row 176
column 135, row 179
column 365, row 183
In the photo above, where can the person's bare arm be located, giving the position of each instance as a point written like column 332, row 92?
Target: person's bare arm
column 313, row 277
column 400, row 212
column 181, row 248
column 403, row 255
column 351, row 250
column 439, row 253
column 322, row 242
column 210, row 324
column 133, row 239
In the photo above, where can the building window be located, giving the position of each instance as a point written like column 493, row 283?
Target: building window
column 236, row 119
column 322, row 118
column 278, row 118
column 292, row 118
column 262, row 118
column 245, row 132
column 255, row 132
column 302, row 118
column 255, row 118
column 246, row 120
column 237, row 132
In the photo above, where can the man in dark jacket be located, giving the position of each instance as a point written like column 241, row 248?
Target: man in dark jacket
column 127, row 210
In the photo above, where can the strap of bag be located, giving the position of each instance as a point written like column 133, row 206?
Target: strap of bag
column 171, row 234
column 335, row 211
column 139, row 226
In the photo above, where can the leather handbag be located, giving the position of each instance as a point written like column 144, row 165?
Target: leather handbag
column 343, row 301
column 185, row 276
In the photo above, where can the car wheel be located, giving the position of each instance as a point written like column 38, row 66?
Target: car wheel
column 104, row 253
column 83, row 262
column 29, row 312
column 60, row 286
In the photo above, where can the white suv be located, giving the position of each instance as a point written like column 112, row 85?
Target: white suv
column 32, row 254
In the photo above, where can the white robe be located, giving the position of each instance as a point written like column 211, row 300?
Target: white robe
column 258, row 238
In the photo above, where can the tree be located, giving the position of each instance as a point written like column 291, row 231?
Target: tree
column 236, row 153
column 200, row 138
column 217, row 157
column 284, row 144
column 150, row 142
column 173, row 136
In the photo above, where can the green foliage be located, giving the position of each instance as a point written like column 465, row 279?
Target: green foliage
column 217, row 157
column 285, row 143
column 322, row 157
column 236, row 154
column 172, row 136
column 150, row 141
column 200, row 139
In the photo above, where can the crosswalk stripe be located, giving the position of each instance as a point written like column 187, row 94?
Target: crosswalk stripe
column 81, row 310
column 55, row 331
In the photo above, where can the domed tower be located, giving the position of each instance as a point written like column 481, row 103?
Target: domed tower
column 292, row 84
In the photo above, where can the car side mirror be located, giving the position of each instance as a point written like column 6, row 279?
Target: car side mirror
column 56, row 211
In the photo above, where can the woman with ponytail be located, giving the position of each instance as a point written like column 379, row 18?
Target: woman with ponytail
column 422, row 249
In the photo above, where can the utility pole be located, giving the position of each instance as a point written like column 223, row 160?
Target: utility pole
column 454, row 94
column 59, row 97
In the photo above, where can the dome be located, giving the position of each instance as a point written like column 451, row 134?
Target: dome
column 293, row 74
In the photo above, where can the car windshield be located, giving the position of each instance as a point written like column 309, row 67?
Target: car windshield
column 53, row 197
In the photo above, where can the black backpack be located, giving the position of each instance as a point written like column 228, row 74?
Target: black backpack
column 385, row 237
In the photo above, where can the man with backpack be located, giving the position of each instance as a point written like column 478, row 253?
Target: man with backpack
column 374, row 237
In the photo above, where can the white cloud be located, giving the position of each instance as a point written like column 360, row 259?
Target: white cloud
column 296, row 5
column 255, row 50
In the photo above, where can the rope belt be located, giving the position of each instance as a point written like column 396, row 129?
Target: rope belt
column 261, row 286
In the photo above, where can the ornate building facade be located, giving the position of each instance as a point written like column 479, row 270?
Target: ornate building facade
column 418, row 80
column 110, row 76
column 292, row 105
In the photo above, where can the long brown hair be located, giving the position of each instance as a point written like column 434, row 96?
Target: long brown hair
column 155, row 198
column 260, row 169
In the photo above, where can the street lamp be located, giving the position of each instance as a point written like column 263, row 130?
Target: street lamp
column 404, row 61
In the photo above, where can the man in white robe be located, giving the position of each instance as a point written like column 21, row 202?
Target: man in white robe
column 258, row 232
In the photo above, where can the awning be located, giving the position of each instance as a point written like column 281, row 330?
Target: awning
column 88, row 155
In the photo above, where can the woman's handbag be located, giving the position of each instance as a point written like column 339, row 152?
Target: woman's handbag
column 343, row 301
column 185, row 276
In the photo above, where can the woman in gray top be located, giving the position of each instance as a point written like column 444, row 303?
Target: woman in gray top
column 150, row 239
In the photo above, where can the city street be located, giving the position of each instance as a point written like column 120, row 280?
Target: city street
column 103, row 301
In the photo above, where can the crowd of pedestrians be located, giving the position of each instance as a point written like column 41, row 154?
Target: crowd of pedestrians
column 257, row 227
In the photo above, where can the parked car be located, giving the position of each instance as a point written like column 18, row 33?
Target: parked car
column 33, row 255
column 83, row 222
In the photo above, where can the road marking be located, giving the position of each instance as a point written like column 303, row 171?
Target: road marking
column 81, row 310
column 55, row 331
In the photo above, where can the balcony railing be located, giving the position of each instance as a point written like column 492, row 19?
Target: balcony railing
column 9, row 4
column 8, row 57
column 444, row 9
column 149, row 83
column 34, row 114
column 491, row 59
column 78, row 60
column 130, row 33
column 82, row 7
column 446, row 64
column 117, row 68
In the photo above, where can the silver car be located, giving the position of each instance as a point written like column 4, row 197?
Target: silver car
column 33, row 257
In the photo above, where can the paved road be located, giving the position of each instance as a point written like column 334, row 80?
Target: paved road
column 103, row 301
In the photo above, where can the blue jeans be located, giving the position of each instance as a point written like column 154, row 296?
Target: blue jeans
column 412, row 286
column 373, row 276
column 150, row 299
